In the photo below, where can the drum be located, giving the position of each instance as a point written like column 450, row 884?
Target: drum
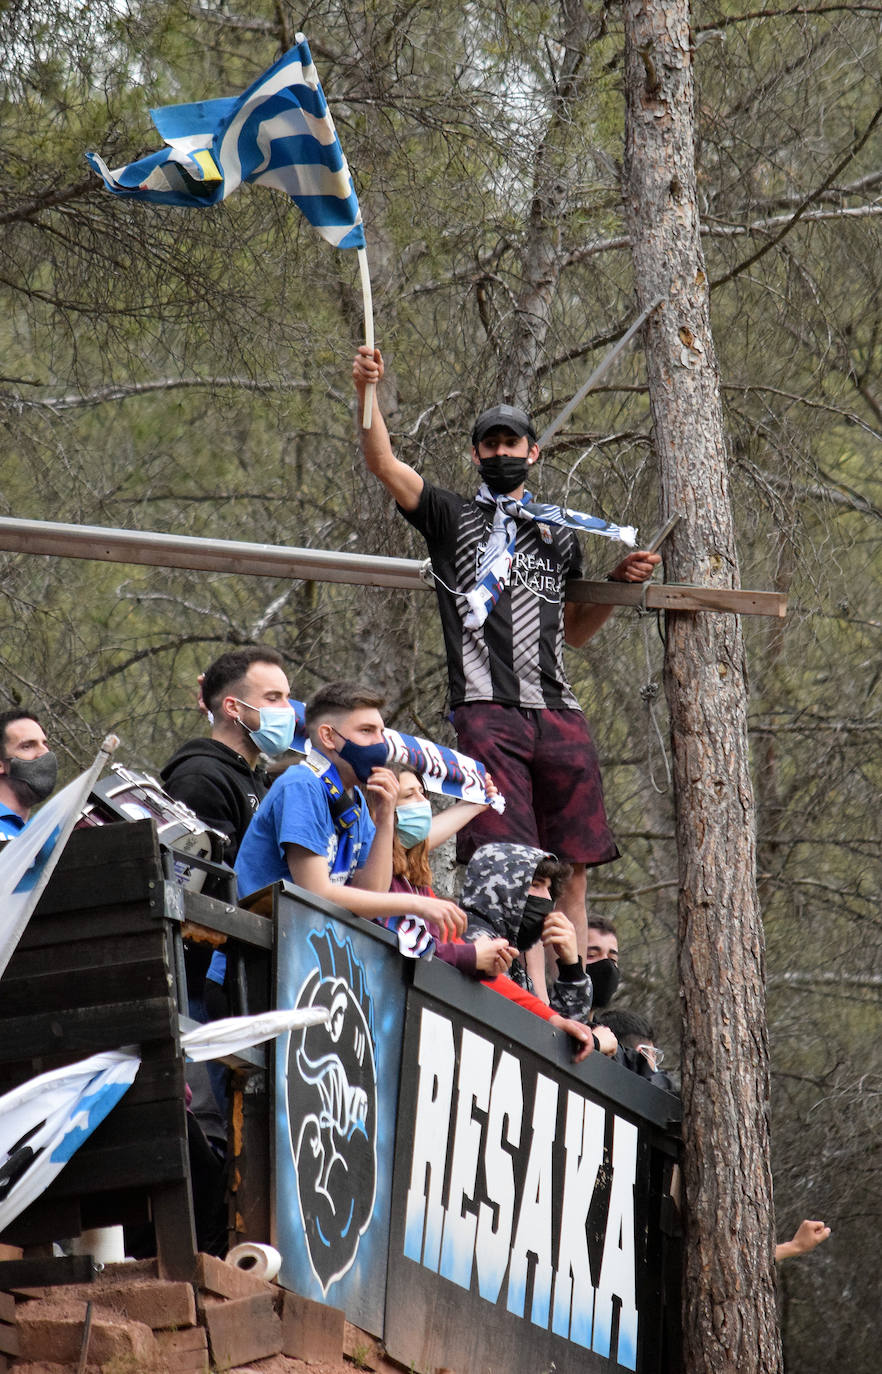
column 123, row 795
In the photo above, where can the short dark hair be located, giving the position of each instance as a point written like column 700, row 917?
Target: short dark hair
column 555, row 870
column 625, row 1024
column 338, row 699
column 228, row 671
column 7, row 717
column 602, row 924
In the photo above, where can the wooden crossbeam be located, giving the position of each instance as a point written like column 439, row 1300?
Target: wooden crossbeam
column 154, row 549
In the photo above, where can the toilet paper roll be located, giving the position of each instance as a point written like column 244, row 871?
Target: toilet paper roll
column 263, row 1261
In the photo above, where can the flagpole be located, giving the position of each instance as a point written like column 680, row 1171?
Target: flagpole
column 368, row 332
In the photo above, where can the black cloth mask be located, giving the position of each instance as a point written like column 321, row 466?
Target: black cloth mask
column 502, row 473
column 604, row 975
column 39, row 775
column 532, row 921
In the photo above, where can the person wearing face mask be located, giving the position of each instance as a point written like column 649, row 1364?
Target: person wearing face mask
column 247, row 693
column 28, row 770
column 602, row 960
column 314, row 826
column 511, row 890
column 501, row 578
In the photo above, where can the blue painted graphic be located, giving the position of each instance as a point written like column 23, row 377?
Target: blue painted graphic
column 332, row 1108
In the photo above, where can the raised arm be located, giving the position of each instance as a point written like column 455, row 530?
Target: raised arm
column 401, row 481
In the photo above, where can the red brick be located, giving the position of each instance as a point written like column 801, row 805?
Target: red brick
column 216, row 1276
column 311, row 1331
column 7, row 1307
column 54, row 1332
column 185, row 1352
column 9, row 1339
column 158, row 1303
column 8, row 1252
column 243, row 1329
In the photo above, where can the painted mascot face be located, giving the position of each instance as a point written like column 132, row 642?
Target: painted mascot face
column 332, row 1109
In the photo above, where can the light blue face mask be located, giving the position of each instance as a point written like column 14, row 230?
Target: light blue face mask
column 413, row 821
column 275, row 734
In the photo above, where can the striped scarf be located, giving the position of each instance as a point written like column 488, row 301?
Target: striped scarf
column 494, row 573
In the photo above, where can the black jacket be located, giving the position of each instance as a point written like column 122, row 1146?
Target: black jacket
column 216, row 783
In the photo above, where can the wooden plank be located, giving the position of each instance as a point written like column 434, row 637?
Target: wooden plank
column 79, row 923
column 136, row 1164
column 76, row 954
column 127, row 855
column 46, row 1273
column 86, row 1030
column 175, row 1228
column 52, row 991
column 247, row 926
column 675, row 596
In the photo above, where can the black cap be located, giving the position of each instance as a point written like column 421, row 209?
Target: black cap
column 503, row 417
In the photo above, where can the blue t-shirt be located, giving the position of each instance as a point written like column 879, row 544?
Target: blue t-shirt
column 297, row 810
column 11, row 824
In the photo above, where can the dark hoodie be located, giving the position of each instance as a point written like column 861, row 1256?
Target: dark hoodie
column 218, row 785
column 495, row 888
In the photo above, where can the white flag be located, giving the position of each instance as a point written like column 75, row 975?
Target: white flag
column 45, row 1120
column 28, row 859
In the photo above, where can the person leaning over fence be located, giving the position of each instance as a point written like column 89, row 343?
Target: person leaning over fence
column 509, row 891
column 314, row 826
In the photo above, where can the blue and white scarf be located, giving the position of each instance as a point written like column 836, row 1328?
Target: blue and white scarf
column 494, row 573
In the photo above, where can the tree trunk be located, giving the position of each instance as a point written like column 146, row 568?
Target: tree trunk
column 730, row 1321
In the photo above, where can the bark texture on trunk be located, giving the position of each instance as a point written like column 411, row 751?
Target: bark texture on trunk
column 730, row 1321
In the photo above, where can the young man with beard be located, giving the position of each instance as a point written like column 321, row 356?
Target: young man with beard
column 28, row 770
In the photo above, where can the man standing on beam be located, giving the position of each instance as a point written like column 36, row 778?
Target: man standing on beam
column 501, row 564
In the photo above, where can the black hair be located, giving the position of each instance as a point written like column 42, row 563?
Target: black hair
column 228, row 671
column 558, row 872
column 338, row 699
column 7, row 718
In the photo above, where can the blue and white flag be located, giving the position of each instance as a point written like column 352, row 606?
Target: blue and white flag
column 28, row 859
column 45, row 1121
column 443, row 770
column 494, row 573
column 278, row 133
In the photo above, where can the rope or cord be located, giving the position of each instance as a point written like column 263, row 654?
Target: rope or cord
column 649, row 693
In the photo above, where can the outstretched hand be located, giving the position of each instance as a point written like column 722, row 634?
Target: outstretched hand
column 637, row 567
column 808, row 1235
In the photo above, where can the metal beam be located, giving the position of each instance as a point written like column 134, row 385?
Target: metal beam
column 153, row 549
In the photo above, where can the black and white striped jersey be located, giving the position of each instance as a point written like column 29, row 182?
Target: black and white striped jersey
column 516, row 657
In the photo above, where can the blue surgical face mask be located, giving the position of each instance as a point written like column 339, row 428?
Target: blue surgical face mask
column 363, row 758
column 275, row 734
column 413, row 822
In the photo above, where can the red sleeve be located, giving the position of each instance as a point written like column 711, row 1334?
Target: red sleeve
column 514, row 993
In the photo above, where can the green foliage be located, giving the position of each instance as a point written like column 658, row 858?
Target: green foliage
column 188, row 371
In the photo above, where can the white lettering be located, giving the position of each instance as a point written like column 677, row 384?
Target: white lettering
column 473, row 1087
column 617, row 1272
column 573, row 1294
column 533, row 1233
column 503, row 1123
column 424, row 1213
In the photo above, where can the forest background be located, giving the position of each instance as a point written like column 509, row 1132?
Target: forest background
column 189, row 372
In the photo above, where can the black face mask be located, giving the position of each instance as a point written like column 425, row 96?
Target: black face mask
column 532, row 921
column 604, row 975
column 39, row 775
column 502, row 473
